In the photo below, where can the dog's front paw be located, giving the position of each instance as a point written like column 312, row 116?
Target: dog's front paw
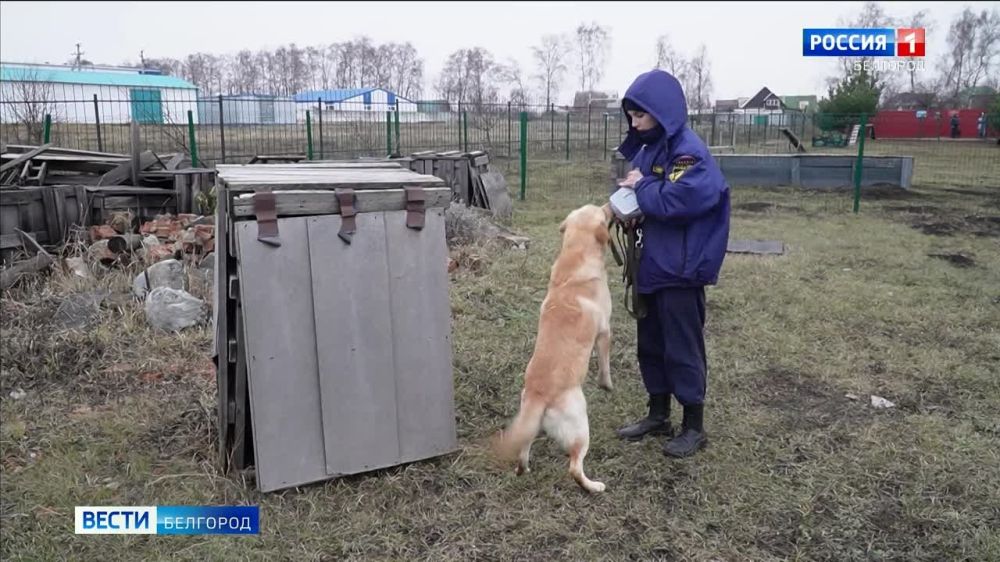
column 521, row 469
column 606, row 385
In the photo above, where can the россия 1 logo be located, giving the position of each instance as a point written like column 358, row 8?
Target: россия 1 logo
column 878, row 42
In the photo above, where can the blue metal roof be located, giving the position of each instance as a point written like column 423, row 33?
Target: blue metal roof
column 332, row 95
column 89, row 77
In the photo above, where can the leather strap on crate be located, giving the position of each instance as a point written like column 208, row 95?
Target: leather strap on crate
column 267, row 218
column 415, row 202
column 348, row 226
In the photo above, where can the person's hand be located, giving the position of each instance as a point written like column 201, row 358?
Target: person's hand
column 631, row 179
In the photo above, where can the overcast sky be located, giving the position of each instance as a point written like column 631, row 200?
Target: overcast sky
column 750, row 45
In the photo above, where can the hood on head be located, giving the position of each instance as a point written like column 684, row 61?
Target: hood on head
column 661, row 95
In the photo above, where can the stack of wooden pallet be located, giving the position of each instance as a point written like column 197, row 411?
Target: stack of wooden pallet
column 469, row 174
column 47, row 190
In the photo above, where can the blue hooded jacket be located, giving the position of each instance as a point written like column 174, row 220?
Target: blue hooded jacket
column 682, row 194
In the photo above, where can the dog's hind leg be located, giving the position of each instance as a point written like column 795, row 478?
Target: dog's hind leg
column 604, row 359
column 573, row 433
column 522, row 460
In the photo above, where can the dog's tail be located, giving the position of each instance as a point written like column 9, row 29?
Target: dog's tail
column 508, row 444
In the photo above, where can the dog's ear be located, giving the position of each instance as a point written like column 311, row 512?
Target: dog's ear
column 602, row 234
column 609, row 215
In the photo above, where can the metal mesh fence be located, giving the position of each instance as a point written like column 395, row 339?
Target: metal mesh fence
column 234, row 129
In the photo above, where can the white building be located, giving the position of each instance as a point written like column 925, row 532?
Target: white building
column 354, row 104
column 69, row 94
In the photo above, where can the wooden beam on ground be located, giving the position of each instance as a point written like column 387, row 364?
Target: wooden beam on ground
column 24, row 158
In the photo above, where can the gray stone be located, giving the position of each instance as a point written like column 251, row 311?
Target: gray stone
column 172, row 310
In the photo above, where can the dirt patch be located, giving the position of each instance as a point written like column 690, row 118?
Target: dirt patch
column 914, row 209
column 887, row 193
column 976, row 225
column 984, row 225
column 803, row 401
column 764, row 207
column 935, row 228
column 957, row 260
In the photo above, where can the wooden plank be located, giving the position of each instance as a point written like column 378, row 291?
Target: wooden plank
column 18, row 159
column 357, row 384
column 59, row 198
column 239, row 395
column 14, row 241
column 220, row 327
column 283, row 376
column 175, row 161
column 296, row 203
column 182, row 193
column 421, row 328
column 50, row 214
column 123, row 171
column 50, row 157
column 82, row 205
column 19, row 196
column 137, row 201
column 91, row 155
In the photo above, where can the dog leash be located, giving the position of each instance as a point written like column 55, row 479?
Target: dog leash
column 626, row 247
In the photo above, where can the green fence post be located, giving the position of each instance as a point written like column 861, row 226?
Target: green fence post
column 388, row 133
column 465, row 128
column 459, row 115
column 524, row 152
column 319, row 105
column 309, row 136
column 47, row 130
column 510, row 145
column 859, row 166
column 552, row 125
column 567, row 135
column 399, row 149
column 97, row 123
column 191, row 139
column 605, row 136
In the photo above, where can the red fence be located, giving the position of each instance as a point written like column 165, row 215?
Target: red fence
column 906, row 124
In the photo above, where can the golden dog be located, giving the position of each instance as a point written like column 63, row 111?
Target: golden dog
column 575, row 314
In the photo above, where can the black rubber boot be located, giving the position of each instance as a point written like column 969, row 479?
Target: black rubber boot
column 692, row 437
column 657, row 422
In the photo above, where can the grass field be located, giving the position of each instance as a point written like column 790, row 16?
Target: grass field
column 899, row 301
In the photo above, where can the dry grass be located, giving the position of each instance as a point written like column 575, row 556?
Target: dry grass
column 120, row 416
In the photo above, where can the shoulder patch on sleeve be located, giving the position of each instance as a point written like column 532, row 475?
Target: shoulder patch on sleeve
column 680, row 165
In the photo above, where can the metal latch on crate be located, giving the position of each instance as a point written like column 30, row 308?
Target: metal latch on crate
column 348, row 226
column 415, row 200
column 267, row 218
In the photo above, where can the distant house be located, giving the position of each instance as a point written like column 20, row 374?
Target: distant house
column 433, row 106
column 356, row 99
column 726, row 106
column 764, row 102
column 123, row 94
column 805, row 104
column 910, row 101
column 247, row 110
column 766, row 108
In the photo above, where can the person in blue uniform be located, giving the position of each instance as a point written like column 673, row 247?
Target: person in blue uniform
column 685, row 203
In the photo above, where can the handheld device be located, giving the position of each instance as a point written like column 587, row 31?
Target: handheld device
column 624, row 204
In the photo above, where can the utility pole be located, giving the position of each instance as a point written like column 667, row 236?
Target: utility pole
column 79, row 58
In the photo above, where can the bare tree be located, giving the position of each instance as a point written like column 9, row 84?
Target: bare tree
column 670, row 60
column 699, row 80
column 592, row 47
column 918, row 20
column 872, row 15
column 27, row 99
column 550, row 62
column 973, row 50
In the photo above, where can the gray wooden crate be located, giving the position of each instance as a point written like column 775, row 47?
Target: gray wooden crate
column 345, row 348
